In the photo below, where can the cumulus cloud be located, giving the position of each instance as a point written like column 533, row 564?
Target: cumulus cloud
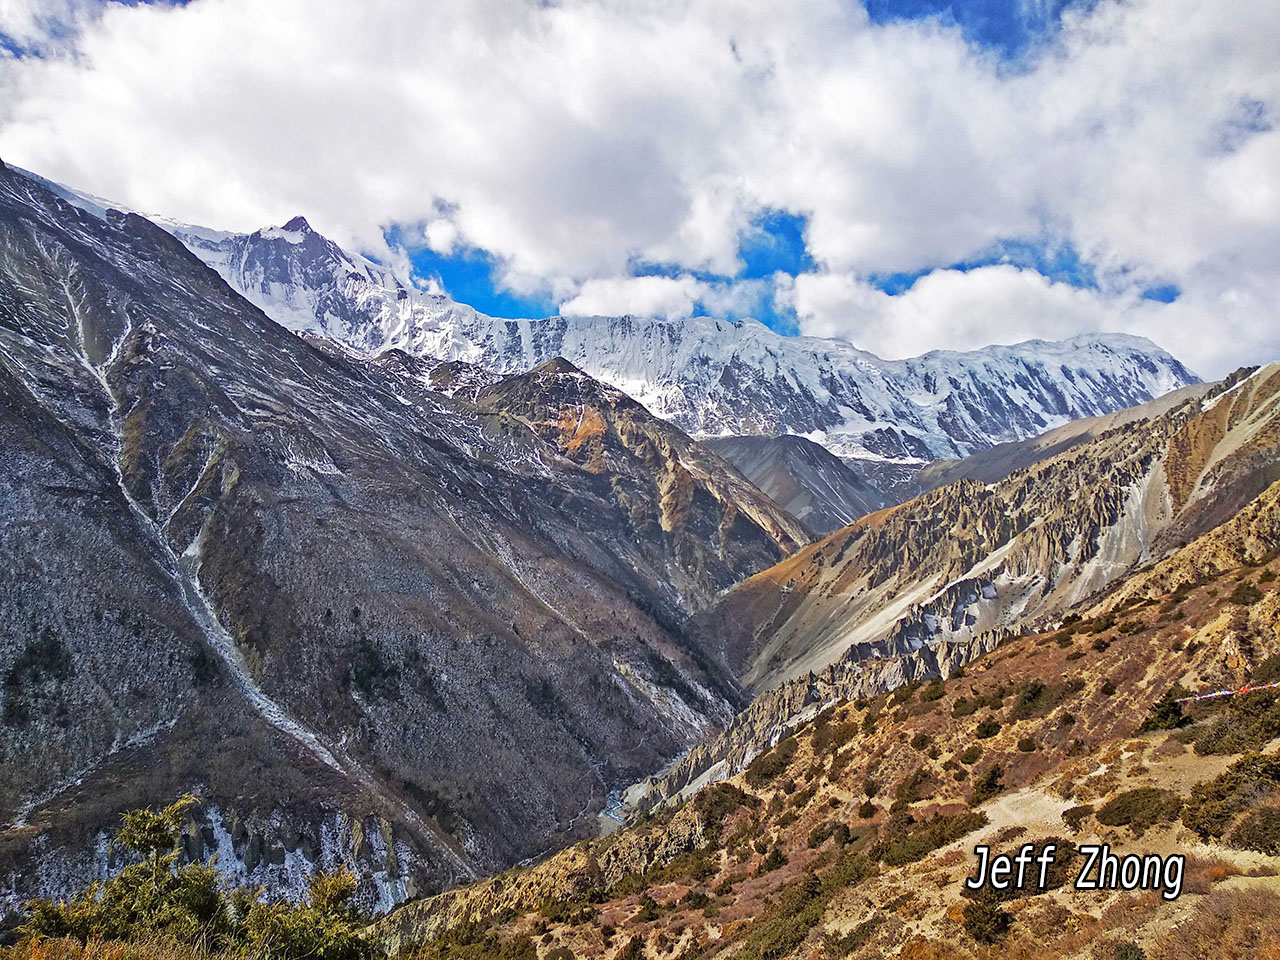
column 573, row 140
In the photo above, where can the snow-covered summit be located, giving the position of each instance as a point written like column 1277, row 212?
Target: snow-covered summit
column 711, row 377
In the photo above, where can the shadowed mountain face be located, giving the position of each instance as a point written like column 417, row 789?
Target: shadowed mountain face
column 816, row 486
column 363, row 619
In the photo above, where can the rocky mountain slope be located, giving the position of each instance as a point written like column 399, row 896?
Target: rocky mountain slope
column 922, row 589
column 971, row 558
column 853, row 836
column 714, row 526
column 364, row 620
column 710, row 377
column 811, row 483
column 996, row 463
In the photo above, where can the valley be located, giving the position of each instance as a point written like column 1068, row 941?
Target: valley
column 390, row 583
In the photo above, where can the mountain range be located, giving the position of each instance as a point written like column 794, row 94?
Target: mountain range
column 710, row 377
column 389, row 581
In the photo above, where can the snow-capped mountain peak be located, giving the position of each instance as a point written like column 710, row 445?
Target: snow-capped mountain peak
column 712, row 377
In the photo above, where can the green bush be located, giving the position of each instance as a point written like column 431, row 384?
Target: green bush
column 1259, row 830
column 1249, row 721
column 771, row 763
column 1027, row 745
column 921, row 740
column 774, row 860
column 1245, row 594
column 155, row 899
column 971, row 754
column 1139, row 809
column 914, row 842
column 1128, row 950
column 987, row 786
column 986, row 921
column 1214, row 804
column 867, row 810
column 988, row 728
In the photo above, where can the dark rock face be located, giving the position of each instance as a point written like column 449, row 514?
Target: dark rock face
column 688, row 509
column 816, row 486
column 287, row 579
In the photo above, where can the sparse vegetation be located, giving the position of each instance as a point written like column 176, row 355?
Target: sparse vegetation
column 155, row 901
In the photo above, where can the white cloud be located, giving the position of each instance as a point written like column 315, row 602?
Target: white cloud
column 671, row 298
column 571, row 140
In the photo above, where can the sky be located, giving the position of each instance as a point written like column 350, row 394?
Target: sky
column 907, row 175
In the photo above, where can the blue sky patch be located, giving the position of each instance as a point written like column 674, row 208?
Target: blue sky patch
column 1059, row 262
column 1165, row 293
column 1010, row 27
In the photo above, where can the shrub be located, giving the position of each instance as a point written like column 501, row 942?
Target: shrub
column 772, row 861
column 771, row 763
column 935, row 690
column 1128, row 950
column 986, row 921
column 1245, row 594
column 908, row 789
column 971, row 754
column 841, row 945
column 988, row 786
column 1215, row 803
column 696, row 899
column 1139, row 809
column 649, row 910
column 917, row 841
column 1032, row 698
column 1249, row 722
column 988, row 728
column 1108, row 688
column 1073, row 817
column 828, row 735
column 1027, row 745
column 921, row 740
column 1260, row 831
column 867, row 810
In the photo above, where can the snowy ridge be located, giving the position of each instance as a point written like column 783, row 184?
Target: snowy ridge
column 710, row 377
